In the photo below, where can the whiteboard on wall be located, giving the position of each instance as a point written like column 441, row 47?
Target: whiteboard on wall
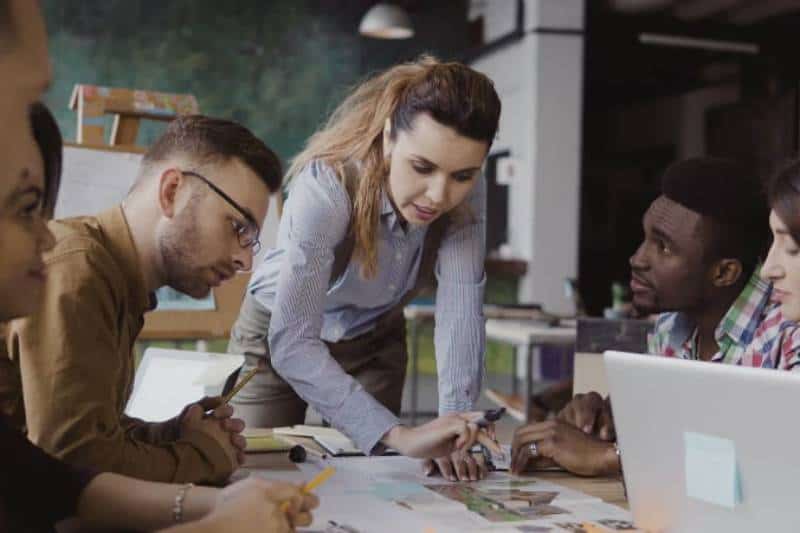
column 94, row 179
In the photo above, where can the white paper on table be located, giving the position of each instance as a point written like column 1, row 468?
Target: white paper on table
column 346, row 499
column 566, row 496
column 602, row 513
column 386, row 494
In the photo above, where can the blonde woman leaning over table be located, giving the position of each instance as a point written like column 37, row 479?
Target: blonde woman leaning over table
column 387, row 196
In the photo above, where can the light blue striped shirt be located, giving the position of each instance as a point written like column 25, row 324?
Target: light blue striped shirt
column 292, row 283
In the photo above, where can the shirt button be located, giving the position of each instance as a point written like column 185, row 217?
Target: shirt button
column 398, row 256
column 392, row 287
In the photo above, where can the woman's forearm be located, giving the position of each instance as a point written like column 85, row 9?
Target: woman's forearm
column 114, row 501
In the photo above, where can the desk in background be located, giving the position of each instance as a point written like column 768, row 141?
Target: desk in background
column 526, row 334
column 529, row 336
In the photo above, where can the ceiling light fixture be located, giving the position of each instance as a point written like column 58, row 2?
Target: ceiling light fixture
column 386, row 21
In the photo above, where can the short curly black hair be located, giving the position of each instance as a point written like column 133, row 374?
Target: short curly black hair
column 731, row 195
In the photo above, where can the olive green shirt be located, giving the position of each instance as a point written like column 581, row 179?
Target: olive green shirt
column 75, row 358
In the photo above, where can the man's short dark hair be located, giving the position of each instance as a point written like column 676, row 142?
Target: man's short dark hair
column 729, row 194
column 210, row 140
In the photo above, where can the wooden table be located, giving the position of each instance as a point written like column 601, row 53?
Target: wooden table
column 607, row 489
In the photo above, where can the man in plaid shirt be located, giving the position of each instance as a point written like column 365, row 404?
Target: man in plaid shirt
column 699, row 262
column 753, row 332
column 698, row 267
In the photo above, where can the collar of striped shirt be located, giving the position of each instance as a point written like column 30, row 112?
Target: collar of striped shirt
column 392, row 220
column 389, row 216
column 751, row 320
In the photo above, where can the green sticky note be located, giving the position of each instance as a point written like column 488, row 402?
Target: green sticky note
column 711, row 472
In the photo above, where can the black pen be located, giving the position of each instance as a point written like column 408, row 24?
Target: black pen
column 490, row 416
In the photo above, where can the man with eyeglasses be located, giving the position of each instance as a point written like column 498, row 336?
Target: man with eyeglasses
column 190, row 222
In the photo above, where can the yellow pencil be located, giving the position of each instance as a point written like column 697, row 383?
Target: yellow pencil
column 591, row 527
column 247, row 377
column 318, row 480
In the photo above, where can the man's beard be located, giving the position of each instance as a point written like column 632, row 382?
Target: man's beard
column 178, row 246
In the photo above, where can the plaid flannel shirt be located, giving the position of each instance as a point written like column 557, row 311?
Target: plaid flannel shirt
column 752, row 333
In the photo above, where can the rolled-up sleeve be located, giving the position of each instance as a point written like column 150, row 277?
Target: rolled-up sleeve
column 460, row 332
column 319, row 212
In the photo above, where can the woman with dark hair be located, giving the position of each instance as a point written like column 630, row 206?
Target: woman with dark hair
column 782, row 266
column 36, row 490
column 51, row 146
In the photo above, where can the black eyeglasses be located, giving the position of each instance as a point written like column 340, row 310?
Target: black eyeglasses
column 246, row 233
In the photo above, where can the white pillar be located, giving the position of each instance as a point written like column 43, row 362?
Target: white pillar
column 540, row 81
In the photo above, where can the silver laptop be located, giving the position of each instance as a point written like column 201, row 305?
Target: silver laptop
column 705, row 446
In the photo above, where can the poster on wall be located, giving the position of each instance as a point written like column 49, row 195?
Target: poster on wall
column 171, row 300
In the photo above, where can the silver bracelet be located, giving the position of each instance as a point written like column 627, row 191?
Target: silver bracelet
column 177, row 507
